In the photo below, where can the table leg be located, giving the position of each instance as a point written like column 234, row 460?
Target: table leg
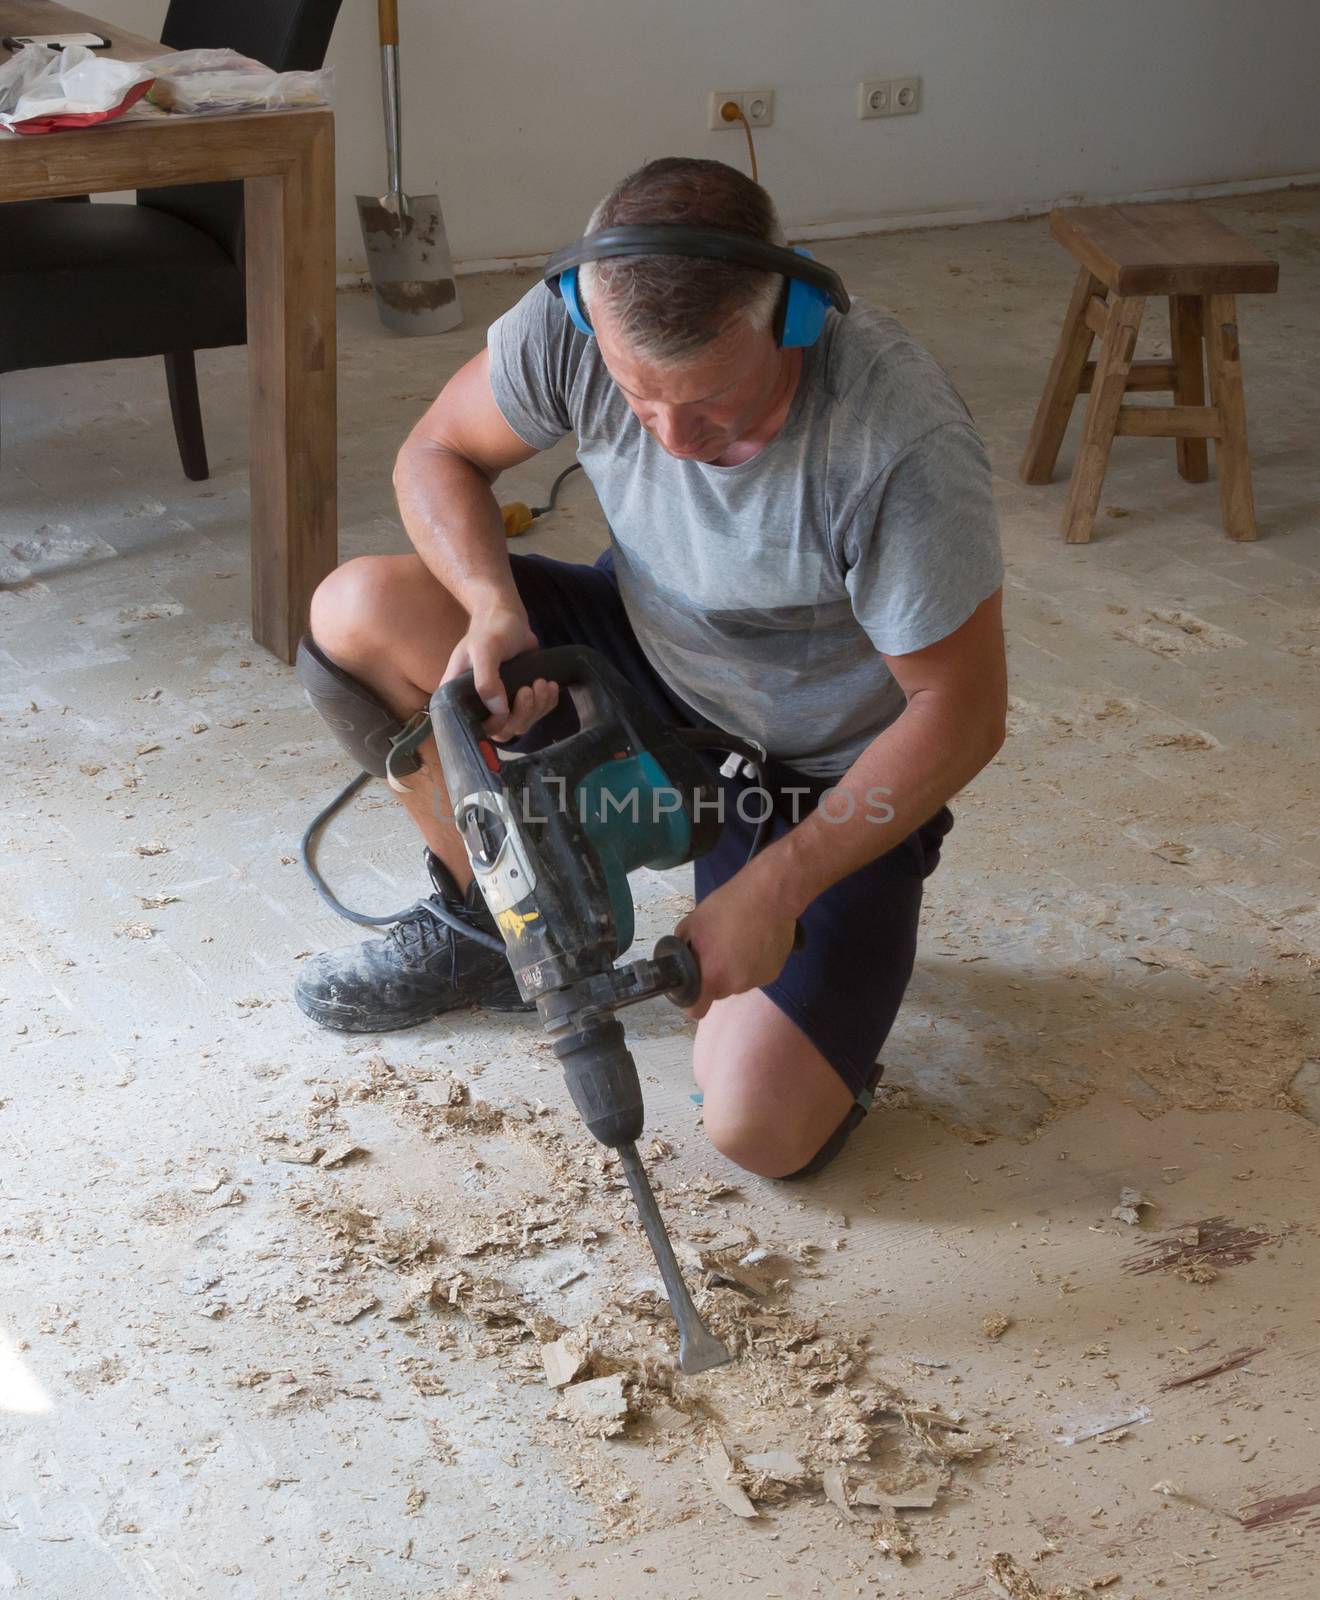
column 1060, row 393
column 1234, row 464
column 1107, row 390
column 1185, row 345
column 290, row 247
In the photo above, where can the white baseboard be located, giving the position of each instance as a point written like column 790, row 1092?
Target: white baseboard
column 902, row 222
column 910, row 221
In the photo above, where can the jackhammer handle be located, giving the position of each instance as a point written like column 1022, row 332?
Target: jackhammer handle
column 563, row 664
column 570, row 666
column 678, row 953
column 518, row 672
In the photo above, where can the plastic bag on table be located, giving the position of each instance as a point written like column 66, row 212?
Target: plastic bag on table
column 43, row 90
column 207, row 82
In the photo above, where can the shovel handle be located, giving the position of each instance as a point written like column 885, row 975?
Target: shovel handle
column 387, row 19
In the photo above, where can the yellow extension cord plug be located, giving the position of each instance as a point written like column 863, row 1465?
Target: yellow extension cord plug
column 518, row 517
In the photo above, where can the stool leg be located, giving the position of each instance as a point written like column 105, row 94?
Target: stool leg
column 1221, row 338
column 1188, row 379
column 1111, row 374
column 1065, row 374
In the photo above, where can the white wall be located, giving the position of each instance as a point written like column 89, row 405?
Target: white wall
column 520, row 113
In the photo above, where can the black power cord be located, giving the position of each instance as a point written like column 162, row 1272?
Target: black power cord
column 540, row 511
column 698, row 738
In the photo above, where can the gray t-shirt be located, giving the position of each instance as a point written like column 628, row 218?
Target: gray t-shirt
column 764, row 593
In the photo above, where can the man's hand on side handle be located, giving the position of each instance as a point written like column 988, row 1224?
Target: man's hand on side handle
column 741, row 935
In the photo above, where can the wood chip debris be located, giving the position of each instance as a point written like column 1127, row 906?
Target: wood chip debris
column 300, row 1155
column 1131, row 1203
column 735, row 1262
column 894, row 1539
column 1099, row 1429
column 342, row 1152
column 996, row 1325
column 1214, row 1241
column 1173, row 852
column 920, row 1496
column 835, row 1484
column 781, row 1465
column 1279, row 1508
column 1229, row 1363
column 806, row 1381
column 599, row 1406
column 349, row 1305
column 1006, row 1579
column 517, row 1231
column 563, row 1359
column 718, row 1468
column 1196, row 1272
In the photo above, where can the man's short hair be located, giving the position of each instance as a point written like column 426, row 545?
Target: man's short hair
column 666, row 308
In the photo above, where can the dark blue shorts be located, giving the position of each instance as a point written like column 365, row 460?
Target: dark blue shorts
column 844, row 987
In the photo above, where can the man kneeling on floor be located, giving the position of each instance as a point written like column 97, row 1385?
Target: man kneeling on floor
column 803, row 551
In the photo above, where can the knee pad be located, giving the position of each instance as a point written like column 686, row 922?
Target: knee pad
column 836, row 1141
column 365, row 727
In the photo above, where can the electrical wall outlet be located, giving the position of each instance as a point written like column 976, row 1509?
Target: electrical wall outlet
column 888, row 97
column 757, row 105
column 905, row 96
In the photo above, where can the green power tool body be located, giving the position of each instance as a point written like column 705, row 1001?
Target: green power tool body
column 552, row 835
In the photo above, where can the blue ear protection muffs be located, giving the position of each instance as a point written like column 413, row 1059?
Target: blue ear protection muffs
column 810, row 288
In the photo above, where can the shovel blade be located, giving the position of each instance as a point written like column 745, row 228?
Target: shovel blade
column 412, row 272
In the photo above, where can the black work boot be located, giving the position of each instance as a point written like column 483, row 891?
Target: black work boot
column 420, row 968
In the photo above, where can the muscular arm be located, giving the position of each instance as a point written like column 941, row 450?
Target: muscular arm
column 442, row 478
column 957, row 696
column 951, row 727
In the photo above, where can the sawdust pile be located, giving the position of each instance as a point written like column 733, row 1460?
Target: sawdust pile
column 801, row 1410
column 1005, row 1578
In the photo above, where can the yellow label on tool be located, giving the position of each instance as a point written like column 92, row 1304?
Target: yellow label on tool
column 513, row 923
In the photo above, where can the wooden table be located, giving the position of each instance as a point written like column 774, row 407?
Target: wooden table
column 286, row 161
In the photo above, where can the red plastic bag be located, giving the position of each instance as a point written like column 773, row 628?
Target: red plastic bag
column 42, row 91
column 82, row 119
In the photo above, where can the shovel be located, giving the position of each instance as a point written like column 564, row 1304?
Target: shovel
column 412, row 273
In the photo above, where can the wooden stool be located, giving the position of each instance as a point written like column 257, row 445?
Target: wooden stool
column 1127, row 253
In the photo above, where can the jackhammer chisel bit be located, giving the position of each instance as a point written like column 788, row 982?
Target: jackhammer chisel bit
column 698, row 1348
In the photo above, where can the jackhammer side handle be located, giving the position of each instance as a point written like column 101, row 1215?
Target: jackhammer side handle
column 678, row 956
column 679, row 959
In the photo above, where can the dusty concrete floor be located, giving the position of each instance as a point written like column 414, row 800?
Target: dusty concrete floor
column 1116, row 988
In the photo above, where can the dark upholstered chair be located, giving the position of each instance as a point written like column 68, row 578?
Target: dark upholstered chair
column 163, row 277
